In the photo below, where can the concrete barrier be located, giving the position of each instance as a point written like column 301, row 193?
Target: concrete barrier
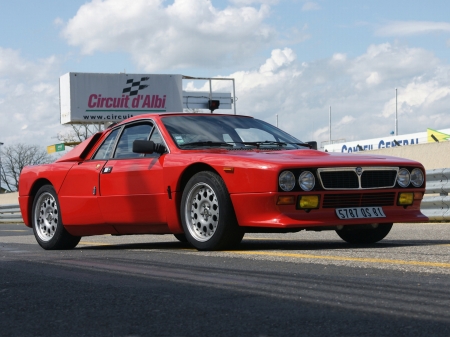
column 9, row 208
column 9, row 198
column 431, row 155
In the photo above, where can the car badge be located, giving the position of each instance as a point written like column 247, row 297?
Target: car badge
column 359, row 171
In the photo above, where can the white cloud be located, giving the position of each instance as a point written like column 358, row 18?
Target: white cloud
column 187, row 33
column 29, row 94
column 387, row 64
column 360, row 90
column 310, row 6
column 58, row 22
column 401, row 28
column 339, row 57
column 278, row 59
column 251, row 2
column 373, row 78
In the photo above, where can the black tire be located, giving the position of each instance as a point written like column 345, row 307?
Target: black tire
column 207, row 214
column 46, row 221
column 181, row 238
column 364, row 235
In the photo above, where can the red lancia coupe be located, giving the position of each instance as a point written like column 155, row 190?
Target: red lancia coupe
column 209, row 179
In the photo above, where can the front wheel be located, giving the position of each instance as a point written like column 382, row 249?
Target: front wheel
column 207, row 214
column 364, row 234
column 46, row 221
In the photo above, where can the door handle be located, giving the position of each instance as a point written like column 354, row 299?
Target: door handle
column 107, row 170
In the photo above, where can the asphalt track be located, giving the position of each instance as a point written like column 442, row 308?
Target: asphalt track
column 302, row 284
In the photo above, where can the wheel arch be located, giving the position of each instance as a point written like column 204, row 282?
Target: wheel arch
column 34, row 189
column 190, row 171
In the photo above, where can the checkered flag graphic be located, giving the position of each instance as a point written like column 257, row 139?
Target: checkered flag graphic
column 135, row 86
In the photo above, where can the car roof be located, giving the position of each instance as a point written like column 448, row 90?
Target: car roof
column 159, row 115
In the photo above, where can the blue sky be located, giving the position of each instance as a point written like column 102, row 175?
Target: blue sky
column 293, row 58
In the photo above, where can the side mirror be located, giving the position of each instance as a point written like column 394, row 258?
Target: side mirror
column 312, row 145
column 148, row 147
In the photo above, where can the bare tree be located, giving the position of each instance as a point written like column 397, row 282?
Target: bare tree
column 196, row 111
column 15, row 158
column 78, row 133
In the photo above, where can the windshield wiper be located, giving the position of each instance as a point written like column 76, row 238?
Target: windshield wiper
column 206, row 143
column 266, row 142
column 302, row 144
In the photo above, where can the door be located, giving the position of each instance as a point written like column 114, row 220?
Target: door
column 79, row 193
column 131, row 185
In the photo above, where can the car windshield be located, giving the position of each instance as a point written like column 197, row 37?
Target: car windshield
column 228, row 132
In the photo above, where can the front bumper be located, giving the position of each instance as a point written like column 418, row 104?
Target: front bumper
column 261, row 210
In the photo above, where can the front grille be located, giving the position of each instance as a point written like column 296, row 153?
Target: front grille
column 358, row 200
column 377, row 179
column 339, row 179
column 357, row 177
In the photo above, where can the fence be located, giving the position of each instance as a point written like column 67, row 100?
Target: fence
column 10, row 213
column 435, row 205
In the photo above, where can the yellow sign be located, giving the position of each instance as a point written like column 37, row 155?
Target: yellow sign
column 51, row 149
column 436, row 136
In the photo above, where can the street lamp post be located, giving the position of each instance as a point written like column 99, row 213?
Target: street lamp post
column 329, row 127
column 0, row 164
column 396, row 119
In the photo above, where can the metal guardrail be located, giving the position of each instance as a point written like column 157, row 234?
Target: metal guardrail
column 10, row 213
column 436, row 207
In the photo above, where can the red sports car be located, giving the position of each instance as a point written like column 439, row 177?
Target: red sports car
column 209, row 179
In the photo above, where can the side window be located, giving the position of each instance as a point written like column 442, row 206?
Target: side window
column 155, row 138
column 129, row 135
column 105, row 150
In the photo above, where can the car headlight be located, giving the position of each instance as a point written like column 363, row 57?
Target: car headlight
column 306, row 181
column 403, row 177
column 417, row 177
column 286, row 180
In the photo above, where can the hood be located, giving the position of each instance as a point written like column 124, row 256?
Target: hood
column 315, row 158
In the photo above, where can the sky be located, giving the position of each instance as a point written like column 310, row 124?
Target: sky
column 291, row 58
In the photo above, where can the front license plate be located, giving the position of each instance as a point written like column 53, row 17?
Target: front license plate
column 360, row 213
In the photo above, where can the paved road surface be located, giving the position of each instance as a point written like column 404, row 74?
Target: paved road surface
column 303, row 284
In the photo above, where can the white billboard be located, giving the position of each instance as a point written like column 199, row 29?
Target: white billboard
column 386, row 142
column 99, row 98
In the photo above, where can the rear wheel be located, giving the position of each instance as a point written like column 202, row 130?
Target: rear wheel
column 207, row 214
column 364, row 234
column 46, row 221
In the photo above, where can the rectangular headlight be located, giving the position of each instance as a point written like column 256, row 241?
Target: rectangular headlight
column 308, row 201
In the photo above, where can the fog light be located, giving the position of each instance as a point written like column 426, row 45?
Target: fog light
column 308, row 201
column 286, row 200
column 405, row 199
